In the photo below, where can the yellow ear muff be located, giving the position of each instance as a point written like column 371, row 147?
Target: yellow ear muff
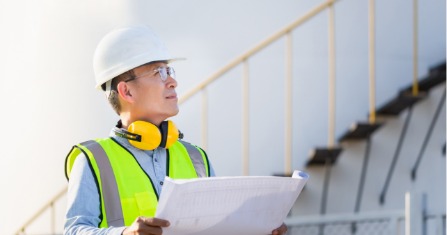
column 172, row 134
column 150, row 135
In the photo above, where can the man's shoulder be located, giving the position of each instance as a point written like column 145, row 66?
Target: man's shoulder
column 76, row 149
column 98, row 140
column 186, row 143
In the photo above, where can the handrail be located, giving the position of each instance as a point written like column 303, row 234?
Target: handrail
column 49, row 204
column 256, row 49
column 243, row 59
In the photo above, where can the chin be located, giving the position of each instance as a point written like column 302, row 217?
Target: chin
column 173, row 112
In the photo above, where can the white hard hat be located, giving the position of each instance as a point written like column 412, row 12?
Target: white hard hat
column 126, row 48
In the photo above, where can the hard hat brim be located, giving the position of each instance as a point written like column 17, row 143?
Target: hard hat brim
column 120, row 69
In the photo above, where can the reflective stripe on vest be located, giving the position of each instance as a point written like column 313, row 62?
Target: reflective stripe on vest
column 196, row 158
column 109, row 187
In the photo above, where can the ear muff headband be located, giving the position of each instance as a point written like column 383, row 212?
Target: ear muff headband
column 164, row 128
column 146, row 136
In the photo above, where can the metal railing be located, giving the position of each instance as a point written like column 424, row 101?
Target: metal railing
column 243, row 60
column 287, row 33
column 371, row 223
column 413, row 220
column 48, row 206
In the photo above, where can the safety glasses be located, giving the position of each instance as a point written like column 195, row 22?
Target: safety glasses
column 163, row 71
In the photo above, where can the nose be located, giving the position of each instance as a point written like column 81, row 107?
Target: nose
column 171, row 82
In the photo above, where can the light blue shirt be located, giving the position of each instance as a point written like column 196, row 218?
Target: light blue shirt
column 83, row 202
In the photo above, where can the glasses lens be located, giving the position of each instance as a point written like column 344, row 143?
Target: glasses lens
column 171, row 72
column 165, row 71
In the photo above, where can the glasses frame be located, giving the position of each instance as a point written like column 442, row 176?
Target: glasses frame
column 163, row 71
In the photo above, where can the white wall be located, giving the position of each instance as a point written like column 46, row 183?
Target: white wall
column 50, row 103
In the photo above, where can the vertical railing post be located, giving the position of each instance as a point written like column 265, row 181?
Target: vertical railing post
column 372, row 58
column 204, row 118
column 331, row 93
column 245, row 120
column 407, row 214
column 414, row 213
column 53, row 218
column 288, row 106
column 415, row 89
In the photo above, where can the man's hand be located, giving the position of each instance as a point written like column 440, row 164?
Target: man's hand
column 281, row 230
column 146, row 226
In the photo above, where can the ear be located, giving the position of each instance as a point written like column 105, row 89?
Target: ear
column 124, row 91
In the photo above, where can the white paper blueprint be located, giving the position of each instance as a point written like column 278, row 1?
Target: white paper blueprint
column 251, row 205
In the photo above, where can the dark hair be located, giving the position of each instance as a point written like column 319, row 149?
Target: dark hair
column 113, row 96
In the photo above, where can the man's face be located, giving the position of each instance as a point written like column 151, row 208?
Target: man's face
column 154, row 99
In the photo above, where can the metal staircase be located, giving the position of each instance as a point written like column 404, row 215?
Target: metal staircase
column 321, row 156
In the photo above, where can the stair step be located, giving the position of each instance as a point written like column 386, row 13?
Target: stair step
column 320, row 155
column 398, row 104
column 433, row 79
column 438, row 68
column 360, row 131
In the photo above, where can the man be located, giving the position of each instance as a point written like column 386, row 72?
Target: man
column 115, row 182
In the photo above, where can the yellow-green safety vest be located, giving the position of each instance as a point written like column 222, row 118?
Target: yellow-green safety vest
column 126, row 191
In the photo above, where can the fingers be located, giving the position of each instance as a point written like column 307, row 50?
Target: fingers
column 281, row 230
column 154, row 221
column 146, row 226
